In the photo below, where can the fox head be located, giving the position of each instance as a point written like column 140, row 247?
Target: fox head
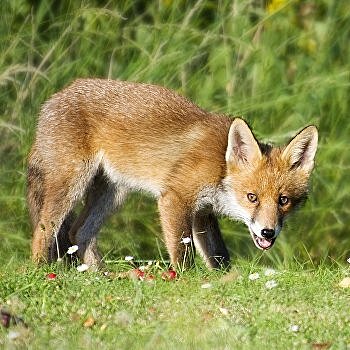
column 264, row 184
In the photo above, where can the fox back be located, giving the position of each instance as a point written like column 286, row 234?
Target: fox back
column 100, row 139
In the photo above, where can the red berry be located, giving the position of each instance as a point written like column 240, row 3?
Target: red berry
column 51, row 276
column 5, row 318
column 172, row 274
column 169, row 275
column 137, row 274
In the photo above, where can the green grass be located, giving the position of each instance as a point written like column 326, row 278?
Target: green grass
column 281, row 70
column 234, row 313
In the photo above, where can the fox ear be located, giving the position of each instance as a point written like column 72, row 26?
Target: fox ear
column 301, row 150
column 242, row 147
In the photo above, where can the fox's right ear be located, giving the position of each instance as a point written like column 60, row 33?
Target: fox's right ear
column 242, row 147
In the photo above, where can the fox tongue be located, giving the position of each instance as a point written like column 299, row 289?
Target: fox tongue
column 264, row 243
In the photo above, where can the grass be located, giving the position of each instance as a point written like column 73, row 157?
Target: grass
column 82, row 310
column 281, row 68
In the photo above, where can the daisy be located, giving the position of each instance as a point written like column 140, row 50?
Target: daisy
column 269, row 272
column 186, row 240
column 254, row 276
column 224, row 311
column 82, row 267
column 72, row 249
column 294, row 328
column 271, row 284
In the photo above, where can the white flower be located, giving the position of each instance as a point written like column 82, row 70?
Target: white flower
column 348, row 260
column 186, row 240
column 129, row 258
column 345, row 282
column 72, row 249
column 143, row 268
column 224, row 311
column 206, row 285
column 82, row 267
column 13, row 335
column 150, row 263
column 271, row 284
column 269, row 272
column 294, row 328
column 254, row 276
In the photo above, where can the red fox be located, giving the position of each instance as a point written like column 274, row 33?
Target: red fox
column 100, row 139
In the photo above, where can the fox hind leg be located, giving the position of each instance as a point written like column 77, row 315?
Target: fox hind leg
column 60, row 190
column 35, row 200
column 38, row 199
column 103, row 197
column 56, row 207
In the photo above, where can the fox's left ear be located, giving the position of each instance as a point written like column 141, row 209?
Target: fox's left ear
column 301, row 150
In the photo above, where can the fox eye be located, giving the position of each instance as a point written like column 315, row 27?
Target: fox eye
column 283, row 200
column 252, row 197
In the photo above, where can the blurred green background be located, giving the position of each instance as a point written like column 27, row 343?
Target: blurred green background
column 280, row 64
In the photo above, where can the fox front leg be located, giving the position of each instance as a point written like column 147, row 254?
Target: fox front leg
column 209, row 241
column 176, row 221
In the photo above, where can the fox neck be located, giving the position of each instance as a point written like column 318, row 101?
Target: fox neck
column 222, row 201
column 227, row 204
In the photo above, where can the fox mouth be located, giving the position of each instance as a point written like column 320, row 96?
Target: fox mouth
column 262, row 243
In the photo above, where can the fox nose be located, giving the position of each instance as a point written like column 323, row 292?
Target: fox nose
column 267, row 233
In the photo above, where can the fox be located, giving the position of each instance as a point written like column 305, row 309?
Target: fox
column 97, row 140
